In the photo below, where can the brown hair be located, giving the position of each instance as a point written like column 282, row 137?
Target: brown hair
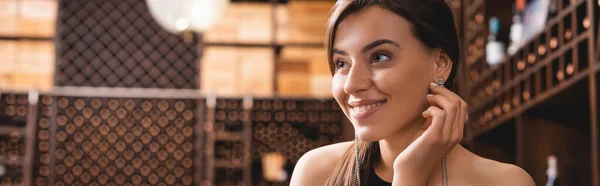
column 432, row 23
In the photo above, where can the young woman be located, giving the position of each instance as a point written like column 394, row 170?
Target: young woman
column 391, row 62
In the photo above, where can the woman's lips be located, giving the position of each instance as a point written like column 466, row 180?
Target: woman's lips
column 364, row 111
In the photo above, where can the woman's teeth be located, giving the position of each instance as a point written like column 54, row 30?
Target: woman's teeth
column 364, row 108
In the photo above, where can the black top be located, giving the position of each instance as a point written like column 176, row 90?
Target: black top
column 374, row 180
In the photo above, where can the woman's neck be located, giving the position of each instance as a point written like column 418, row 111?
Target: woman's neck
column 394, row 144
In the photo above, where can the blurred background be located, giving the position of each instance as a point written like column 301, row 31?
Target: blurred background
column 233, row 92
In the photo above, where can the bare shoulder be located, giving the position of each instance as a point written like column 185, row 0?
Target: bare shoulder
column 490, row 172
column 314, row 167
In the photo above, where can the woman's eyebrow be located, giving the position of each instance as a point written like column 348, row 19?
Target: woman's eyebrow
column 379, row 42
column 369, row 46
column 338, row 51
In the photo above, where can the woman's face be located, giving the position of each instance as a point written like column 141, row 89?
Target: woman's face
column 382, row 72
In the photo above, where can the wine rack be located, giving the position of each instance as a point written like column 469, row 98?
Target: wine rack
column 240, row 131
column 118, row 44
column 547, row 84
column 228, row 141
column 116, row 141
column 17, row 123
column 116, row 136
column 292, row 127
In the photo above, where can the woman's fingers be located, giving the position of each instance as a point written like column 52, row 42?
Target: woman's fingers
column 438, row 118
column 455, row 108
column 450, row 110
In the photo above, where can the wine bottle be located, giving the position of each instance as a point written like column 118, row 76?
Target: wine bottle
column 494, row 49
column 552, row 10
column 552, row 171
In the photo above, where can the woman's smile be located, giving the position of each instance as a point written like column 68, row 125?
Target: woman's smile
column 363, row 108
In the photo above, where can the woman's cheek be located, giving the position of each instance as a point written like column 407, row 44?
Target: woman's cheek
column 337, row 88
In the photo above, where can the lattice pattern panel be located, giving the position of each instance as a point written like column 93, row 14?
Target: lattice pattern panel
column 293, row 127
column 116, row 43
column 13, row 110
column 106, row 141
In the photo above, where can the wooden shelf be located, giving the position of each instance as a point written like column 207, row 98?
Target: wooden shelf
column 228, row 164
column 571, row 43
column 567, row 84
column 229, row 136
column 470, row 9
column 8, row 161
column 278, row 45
column 7, row 130
column 26, row 38
column 523, row 113
column 527, row 72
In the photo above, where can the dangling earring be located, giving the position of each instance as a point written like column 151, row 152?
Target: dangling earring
column 441, row 81
column 356, row 166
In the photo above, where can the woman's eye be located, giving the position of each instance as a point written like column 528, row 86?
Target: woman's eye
column 340, row 64
column 380, row 58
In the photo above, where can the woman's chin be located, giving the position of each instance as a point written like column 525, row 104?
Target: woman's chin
column 369, row 135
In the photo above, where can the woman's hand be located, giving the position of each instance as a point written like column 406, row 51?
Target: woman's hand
column 447, row 114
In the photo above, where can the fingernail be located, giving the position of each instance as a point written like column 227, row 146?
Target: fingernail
column 433, row 84
column 429, row 95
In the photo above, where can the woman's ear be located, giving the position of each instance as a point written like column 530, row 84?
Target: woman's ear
column 442, row 65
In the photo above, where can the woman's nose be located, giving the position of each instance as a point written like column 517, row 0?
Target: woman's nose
column 358, row 79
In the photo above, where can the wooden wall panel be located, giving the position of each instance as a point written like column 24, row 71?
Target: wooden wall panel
column 243, row 23
column 302, row 22
column 236, row 71
column 304, row 71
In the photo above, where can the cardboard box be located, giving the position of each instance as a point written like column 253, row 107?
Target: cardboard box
column 256, row 71
column 37, row 18
column 8, row 18
column 293, row 84
column 320, row 86
column 36, row 57
column 302, row 22
column 27, row 81
column 243, row 23
column 8, row 51
column 218, row 74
